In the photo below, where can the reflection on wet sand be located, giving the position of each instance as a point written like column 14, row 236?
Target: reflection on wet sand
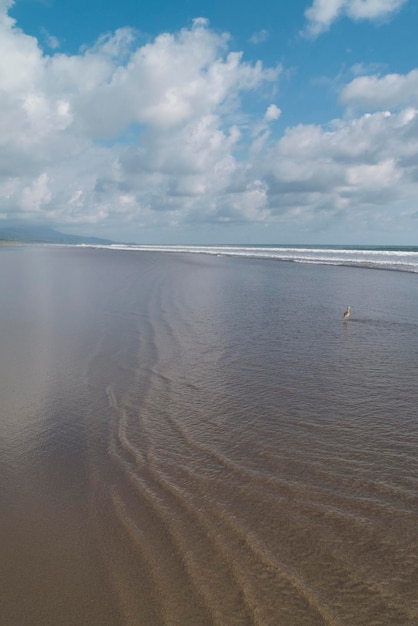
column 200, row 453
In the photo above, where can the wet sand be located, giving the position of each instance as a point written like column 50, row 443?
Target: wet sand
column 192, row 441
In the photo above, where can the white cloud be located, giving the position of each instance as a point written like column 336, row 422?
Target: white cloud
column 323, row 13
column 51, row 41
column 372, row 9
column 273, row 113
column 120, row 131
column 259, row 37
column 36, row 195
column 126, row 137
column 374, row 92
column 4, row 6
column 261, row 130
column 355, row 168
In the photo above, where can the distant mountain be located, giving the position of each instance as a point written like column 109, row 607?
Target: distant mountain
column 44, row 234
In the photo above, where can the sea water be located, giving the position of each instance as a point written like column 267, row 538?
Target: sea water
column 403, row 258
column 203, row 439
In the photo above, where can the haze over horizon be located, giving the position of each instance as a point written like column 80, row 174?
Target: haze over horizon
column 235, row 123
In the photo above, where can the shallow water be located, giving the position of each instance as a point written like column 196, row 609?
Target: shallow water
column 204, row 440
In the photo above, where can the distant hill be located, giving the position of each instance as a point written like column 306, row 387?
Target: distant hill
column 44, row 234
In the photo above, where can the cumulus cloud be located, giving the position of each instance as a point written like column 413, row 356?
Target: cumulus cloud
column 262, row 130
column 352, row 169
column 124, row 136
column 36, row 194
column 323, row 13
column 4, row 6
column 374, row 92
column 121, row 131
column 273, row 113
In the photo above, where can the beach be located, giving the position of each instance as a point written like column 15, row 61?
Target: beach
column 198, row 439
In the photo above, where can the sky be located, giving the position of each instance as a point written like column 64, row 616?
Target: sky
column 205, row 121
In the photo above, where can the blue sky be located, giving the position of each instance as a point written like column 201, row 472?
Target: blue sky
column 210, row 122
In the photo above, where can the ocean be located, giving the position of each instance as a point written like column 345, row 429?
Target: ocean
column 194, row 435
column 403, row 258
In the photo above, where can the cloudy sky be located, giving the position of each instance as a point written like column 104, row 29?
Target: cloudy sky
column 202, row 121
